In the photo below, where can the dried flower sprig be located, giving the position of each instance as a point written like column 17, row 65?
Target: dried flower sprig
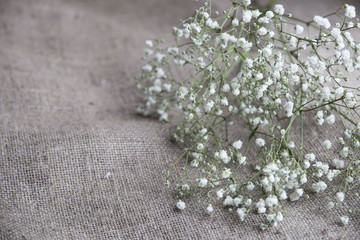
column 247, row 80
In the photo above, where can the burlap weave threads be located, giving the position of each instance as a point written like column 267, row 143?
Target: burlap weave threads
column 67, row 118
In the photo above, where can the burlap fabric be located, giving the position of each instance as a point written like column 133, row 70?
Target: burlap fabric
column 67, row 100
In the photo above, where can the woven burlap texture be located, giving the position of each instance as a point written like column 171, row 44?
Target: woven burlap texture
column 67, row 118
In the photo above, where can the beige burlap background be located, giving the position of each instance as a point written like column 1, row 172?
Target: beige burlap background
column 67, row 100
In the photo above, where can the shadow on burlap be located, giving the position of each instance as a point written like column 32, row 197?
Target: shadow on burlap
column 67, row 118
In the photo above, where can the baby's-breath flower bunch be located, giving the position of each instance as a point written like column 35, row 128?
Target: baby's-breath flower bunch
column 248, row 81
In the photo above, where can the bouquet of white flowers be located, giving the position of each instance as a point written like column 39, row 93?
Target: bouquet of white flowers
column 245, row 86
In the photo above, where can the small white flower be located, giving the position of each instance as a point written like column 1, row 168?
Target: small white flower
column 294, row 68
column 340, row 196
column 260, row 205
column 322, row 22
column 149, row 43
column 247, row 15
column 264, row 20
column 299, row 29
column 159, row 57
column 296, row 195
column 147, row 68
column 182, row 92
column 203, row 182
column 195, row 27
column 282, row 194
column 323, row 168
column 256, row 13
column 185, row 187
column 330, row 119
column 262, row 31
column 203, row 131
column 209, row 105
column 344, row 220
column 291, row 144
column 237, row 201
column 229, row 201
column 267, row 51
column 160, row 73
column 305, row 87
column 225, row 87
column 236, row 92
column 250, row 186
column 261, row 210
column 180, row 205
column 247, row 203
column 344, row 152
column 293, row 41
column 271, row 201
column 279, row 217
column 330, row 205
column 195, row 163
column 319, row 186
column 346, row 55
column 260, row 142
column 310, row 157
column 288, row 108
column 335, row 32
column 241, row 212
column 249, row 62
column 232, row 187
column 224, row 101
column 212, row 24
column 237, row 144
column 325, row 93
column 279, row 9
column 307, row 164
column 220, row 193
column 350, row 98
column 303, row 179
column 167, row 87
column 259, row 76
column 331, row 174
column 226, row 173
column 339, row 92
column 235, row 22
column 350, row 11
column 246, row 2
column 327, row 144
column 243, row 43
column 339, row 164
column 224, row 156
column 320, row 117
column 269, row 14
column 349, row 179
column 205, row 15
column 200, row 146
column 209, row 209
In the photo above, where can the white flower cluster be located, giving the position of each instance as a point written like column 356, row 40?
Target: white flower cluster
column 257, row 70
